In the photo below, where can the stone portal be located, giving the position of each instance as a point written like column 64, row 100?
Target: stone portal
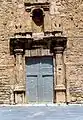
column 40, row 38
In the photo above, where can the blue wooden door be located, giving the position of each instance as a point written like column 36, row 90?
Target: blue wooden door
column 39, row 79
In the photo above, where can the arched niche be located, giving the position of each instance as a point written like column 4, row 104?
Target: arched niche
column 37, row 20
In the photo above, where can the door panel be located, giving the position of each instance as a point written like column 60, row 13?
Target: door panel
column 46, row 66
column 40, row 89
column 32, row 66
column 39, row 79
column 47, row 88
column 31, row 90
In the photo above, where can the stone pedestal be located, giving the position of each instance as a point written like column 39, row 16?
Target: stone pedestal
column 19, row 90
column 60, row 88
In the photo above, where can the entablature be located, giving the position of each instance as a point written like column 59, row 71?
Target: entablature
column 28, row 41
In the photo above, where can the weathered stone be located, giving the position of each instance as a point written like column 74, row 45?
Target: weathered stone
column 63, row 15
column 73, row 99
column 79, row 99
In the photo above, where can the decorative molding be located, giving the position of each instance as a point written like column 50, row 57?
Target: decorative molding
column 36, row 5
column 47, row 40
column 60, row 88
column 18, row 51
column 59, row 49
column 19, row 88
column 31, row 13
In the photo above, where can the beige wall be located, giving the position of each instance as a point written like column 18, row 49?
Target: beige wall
column 14, row 18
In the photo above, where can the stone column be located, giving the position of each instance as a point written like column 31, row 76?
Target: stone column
column 20, row 82
column 60, row 88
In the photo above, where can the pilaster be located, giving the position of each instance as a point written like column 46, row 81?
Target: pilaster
column 19, row 90
column 60, row 84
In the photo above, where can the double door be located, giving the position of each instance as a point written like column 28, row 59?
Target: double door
column 39, row 79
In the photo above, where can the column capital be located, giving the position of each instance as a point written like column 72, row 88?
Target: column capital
column 19, row 51
column 58, row 49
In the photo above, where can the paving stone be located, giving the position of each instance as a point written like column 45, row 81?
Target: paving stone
column 42, row 112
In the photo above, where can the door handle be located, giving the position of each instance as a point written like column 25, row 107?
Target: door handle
column 47, row 75
column 31, row 75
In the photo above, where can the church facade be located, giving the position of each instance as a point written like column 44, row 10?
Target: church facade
column 41, row 51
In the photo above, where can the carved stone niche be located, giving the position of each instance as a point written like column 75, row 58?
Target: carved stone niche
column 39, row 13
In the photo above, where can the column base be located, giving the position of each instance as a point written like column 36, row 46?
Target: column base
column 60, row 91
column 60, row 88
column 19, row 95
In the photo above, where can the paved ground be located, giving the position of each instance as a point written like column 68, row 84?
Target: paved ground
column 71, row 112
